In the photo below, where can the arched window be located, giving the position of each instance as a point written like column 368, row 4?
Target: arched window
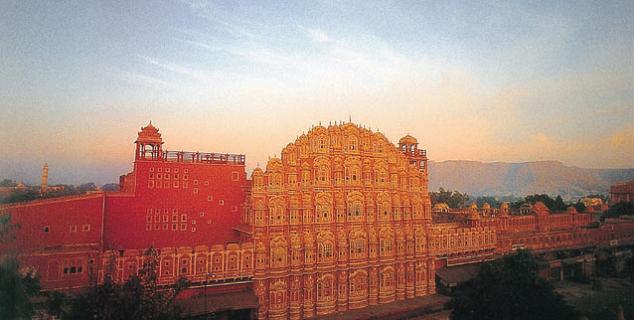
column 308, row 255
column 322, row 144
column 353, row 144
column 385, row 246
column 358, row 284
column 387, row 278
column 384, row 210
column 278, row 295
column 276, row 214
column 325, row 252
column 353, row 175
column 278, row 253
column 201, row 264
column 305, row 177
column 323, row 175
column 325, row 289
column 291, row 157
column 260, row 255
column 323, row 209
column 357, row 247
column 355, row 210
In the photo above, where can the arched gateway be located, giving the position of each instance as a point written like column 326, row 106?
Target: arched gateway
column 340, row 222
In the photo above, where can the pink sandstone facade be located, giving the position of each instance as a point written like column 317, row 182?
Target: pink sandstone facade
column 341, row 221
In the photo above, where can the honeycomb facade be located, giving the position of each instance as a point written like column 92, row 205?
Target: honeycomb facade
column 341, row 221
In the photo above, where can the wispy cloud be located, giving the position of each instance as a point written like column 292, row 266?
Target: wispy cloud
column 145, row 80
column 317, row 35
column 214, row 14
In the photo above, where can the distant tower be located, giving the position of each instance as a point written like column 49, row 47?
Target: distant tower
column 149, row 144
column 409, row 146
column 44, row 178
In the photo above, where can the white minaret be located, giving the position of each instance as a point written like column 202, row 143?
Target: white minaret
column 44, row 178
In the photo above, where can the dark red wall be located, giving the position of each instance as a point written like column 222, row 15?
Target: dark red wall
column 47, row 224
column 202, row 201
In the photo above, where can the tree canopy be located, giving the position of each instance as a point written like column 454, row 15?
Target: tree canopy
column 556, row 204
column 453, row 199
column 140, row 297
column 17, row 284
column 509, row 288
column 620, row 209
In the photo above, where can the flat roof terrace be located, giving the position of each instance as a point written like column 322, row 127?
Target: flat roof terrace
column 199, row 157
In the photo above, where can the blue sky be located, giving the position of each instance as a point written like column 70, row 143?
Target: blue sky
column 489, row 81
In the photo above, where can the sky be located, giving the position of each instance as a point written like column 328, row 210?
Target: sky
column 509, row 81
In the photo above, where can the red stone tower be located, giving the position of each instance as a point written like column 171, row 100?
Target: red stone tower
column 149, row 144
column 409, row 146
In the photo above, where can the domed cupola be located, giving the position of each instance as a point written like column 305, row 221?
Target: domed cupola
column 408, row 145
column 149, row 143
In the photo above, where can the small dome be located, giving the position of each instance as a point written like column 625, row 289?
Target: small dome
column 408, row 140
column 473, row 206
column 540, row 208
column 440, row 207
column 486, row 206
column 149, row 134
column 273, row 163
column 257, row 172
column 504, row 208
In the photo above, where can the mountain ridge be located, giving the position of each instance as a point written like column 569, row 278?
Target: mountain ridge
column 499, row 178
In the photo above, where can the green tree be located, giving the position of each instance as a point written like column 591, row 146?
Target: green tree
column 90, row 186
column 140, row 297
column 492, row 201
column 559, row 204
column 110, row 187
column 509, row 288
column 579, row 206
column 454, row 199
column 544, row 198
column 458, row 200
column 621, row 209
column 7, row 183
column 17, row 284
column 21, row 196
column 56, row 304
column 7, row 229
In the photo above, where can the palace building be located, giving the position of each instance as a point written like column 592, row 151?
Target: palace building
column 622, row 192
column 183, row 203
column 341, row 221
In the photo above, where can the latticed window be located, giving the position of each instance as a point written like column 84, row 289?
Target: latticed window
column 385, row 246
column 217, row 262
column 233, row 262
column 184, row 266
column 325, row 251
column 352, row 143
column 278, row 257
column 357, row 248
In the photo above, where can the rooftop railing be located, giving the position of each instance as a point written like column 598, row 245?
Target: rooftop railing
column 415, row 152
column 203, row 157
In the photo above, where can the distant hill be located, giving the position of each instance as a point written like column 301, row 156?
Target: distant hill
column 500, row 178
